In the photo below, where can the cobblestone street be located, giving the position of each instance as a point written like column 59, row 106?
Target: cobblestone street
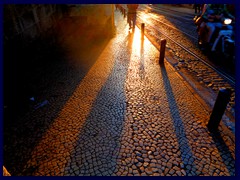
column 129, row 116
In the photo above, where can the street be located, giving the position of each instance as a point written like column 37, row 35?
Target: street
column 111, row 110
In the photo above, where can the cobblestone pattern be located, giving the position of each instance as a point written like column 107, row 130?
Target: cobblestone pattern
column 99, row 141
column 200, row 71
column 129, row 116
column 165, row 134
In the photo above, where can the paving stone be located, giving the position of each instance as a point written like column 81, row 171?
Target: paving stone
column 146, row 160
column 138, row 154
column 144, row 174
column 139, row 164
column 171, row 171
column 134, row 167
column 154, row 170
column 139, row 148
column 166, row 170
column 140, row 159
column 149, row 171
column 130, row 170
column 188, row 167
column 144, row 156
column 179, row 173
column 135, row 172
column 142, row 169
column 169, row 165
column 183, row 172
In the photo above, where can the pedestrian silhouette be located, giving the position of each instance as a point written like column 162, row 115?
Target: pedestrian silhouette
column 132, row 15
column 197, row 8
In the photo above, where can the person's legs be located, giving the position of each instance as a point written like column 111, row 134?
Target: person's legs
column 217, row 25
column 134, row 16
column 199, row 8
column 203, row 33
column 129, row 20
column 211, row 28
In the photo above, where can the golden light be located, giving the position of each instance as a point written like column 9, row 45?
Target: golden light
column 57, row 142
column 136, row 45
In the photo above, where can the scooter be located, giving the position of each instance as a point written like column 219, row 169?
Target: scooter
column 222, row 41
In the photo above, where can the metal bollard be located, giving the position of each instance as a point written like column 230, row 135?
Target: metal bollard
column 220, row 105
column 162, row 51
column 142, row 30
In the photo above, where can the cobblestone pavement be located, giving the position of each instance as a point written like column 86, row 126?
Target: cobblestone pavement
column 130, row 116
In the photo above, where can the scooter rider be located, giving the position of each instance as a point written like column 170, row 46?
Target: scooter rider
column 214, row 14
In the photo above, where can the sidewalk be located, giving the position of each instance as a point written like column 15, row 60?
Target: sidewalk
column 130, row 116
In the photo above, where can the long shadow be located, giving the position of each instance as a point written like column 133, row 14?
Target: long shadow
column 142, row 68
column 98, row 143
column 185, row 148
column 44, row 71
column 224, row 152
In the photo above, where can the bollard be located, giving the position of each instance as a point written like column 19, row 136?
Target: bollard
column 220, row 105
column 142, row 30
column 162, row 51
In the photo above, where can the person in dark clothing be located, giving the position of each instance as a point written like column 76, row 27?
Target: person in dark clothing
column 132, row 15
column 197, row 8
column 214, row 14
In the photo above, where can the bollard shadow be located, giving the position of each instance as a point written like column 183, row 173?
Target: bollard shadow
column 184, row 146
column 224, row 152
column 141, row 67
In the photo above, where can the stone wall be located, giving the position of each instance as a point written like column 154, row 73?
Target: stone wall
column 97, row 16
column 28, row 22
column 31, row 21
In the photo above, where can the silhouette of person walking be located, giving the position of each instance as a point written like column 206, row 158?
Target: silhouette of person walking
column 197, row 8
column 132, row 15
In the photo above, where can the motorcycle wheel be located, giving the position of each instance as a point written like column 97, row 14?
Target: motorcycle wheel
column 229, row 53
